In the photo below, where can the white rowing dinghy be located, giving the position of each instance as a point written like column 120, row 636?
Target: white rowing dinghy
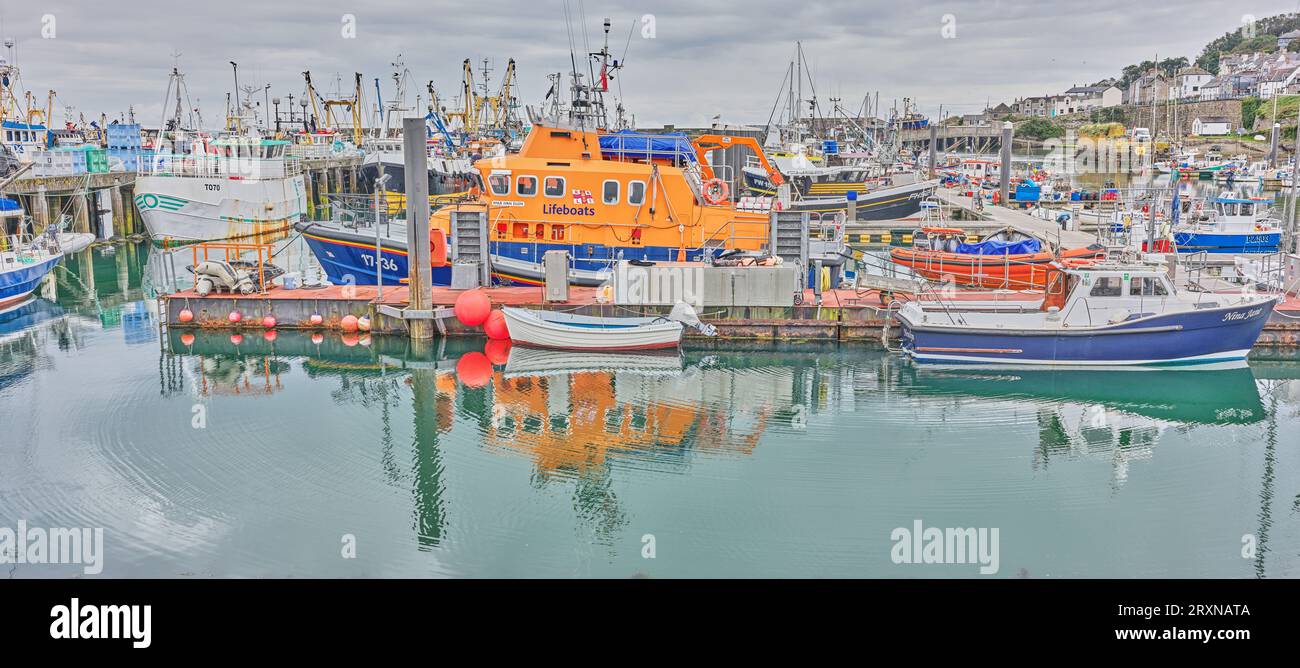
column 568, row 331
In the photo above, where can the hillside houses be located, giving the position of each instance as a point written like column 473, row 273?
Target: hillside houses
column 1189, row 81
column 1075, row 100
column 1263, row 75
column 1153, row 86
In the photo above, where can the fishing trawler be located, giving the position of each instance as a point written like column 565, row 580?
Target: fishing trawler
column 195, row 187
column 229, row 188
column 449, row 171
column 600, row 196
column 1232, row 225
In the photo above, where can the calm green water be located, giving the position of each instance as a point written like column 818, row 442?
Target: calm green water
column 792, row 460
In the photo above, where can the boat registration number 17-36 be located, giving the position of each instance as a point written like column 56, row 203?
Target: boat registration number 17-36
column 388, row 263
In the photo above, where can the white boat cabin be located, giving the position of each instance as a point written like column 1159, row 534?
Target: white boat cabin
column 24, row 139
column 1090, row 296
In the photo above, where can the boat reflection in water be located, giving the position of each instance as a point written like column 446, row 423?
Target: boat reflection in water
column 1118, row 413
column 573, row 411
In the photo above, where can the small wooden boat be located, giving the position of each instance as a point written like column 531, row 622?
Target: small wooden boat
column 1018, row 265
column 568, row 331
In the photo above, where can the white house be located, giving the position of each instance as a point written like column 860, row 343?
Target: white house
column 1189, row 82
column 1211, row 126
column 1276, row 81
column 1212, row 89
column 1095, row 97
column 1065, row 104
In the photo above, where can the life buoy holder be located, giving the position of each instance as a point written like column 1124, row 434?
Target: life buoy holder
column 437, row 247
column 716, row 191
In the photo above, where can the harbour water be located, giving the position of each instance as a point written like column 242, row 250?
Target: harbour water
column 212, row 454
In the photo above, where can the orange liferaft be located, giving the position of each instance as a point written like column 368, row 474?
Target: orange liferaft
column 1022, row 271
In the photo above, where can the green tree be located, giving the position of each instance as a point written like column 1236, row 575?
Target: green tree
column 1039, row 128
column 1249, row 109
column 1107, row 115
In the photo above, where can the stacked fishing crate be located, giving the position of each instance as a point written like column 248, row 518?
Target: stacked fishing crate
column 124, row 146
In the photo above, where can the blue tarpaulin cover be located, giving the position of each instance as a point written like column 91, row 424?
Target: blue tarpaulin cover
column 1001, row 247
column 627, row 143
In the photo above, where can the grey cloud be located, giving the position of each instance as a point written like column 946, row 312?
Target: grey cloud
column 708, row 57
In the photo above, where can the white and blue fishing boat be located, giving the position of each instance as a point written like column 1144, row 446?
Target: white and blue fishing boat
column 1231, row 225
column 1100, row 314
column 24, row 264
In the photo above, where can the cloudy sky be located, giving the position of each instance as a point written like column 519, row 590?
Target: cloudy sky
column 712, row 58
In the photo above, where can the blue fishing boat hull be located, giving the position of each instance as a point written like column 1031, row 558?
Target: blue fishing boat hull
column 18, row 281
column 1204, row 336
column 1192, row 242
column 348, row 261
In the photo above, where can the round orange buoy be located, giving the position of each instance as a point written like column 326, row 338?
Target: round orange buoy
column 317, row 338
column 316, row 319
column 236, row 338
column 363, row 324
column 474, row 369
column 473, row 308
column 269, row 335
column 349, row 323
column 269, row 322
column 185, row 315
column 235, row 316
column 187, row 339
column 496, row 327
column 350, row 340
column 497, row 351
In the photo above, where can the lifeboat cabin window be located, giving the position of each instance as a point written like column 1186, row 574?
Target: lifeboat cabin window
column 500, row 184
column 1147, row 286
column 520, row 231
column 1107, row 286
column 554, row 186
column 636, row 193
column 526, row 186
column 557, row 233
column 609, row 192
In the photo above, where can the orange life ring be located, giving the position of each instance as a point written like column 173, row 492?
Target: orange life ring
column 716, row 191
